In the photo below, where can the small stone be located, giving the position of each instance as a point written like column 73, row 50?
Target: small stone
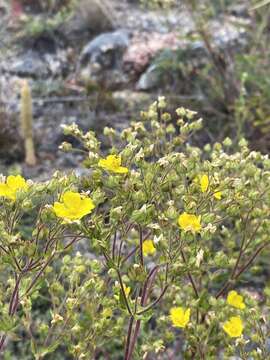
column 149, row 80
column 267, row 345
column 29, row 65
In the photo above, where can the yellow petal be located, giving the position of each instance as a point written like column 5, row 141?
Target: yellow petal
column 3, row 189
column 148, row 248
column 86, row 206
column 204, row 183
column 71, row 199
column 179, row 316
column 114, row 160
column 127, row 290
column 60, row 209
column 189, row 222
column 74, row 206
column 121, row 170
column 102, row 163
column 235, row 300
column 113, row 163
column 218, row 195
column 6, row 192
column 16, row 182
column 65, row 213
column 234, row 326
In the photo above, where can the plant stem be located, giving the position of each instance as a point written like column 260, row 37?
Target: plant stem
column 191, row 279
column 129, row 337
column 123, row 293
column 141, row 245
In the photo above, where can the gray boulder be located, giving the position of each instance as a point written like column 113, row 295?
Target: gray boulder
column 101, row 59
column 28, row 65
column 94, row 16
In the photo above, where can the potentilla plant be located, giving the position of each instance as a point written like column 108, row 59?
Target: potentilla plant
column 180, row 218
column 170, row 230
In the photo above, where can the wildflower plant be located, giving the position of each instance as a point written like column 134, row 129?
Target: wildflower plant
column 167, row 231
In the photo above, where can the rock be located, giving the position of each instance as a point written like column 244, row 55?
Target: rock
column 150, row 79
column 43, row 43
column 3, row 9
column 164, row 56
column 30, row 6
column 11, row 146
column 28, row 65
column 145, row 46
column 116, row 41
column 267, row 345
column 101, row 60
column 228, row 32
column 58, row 63
column 95, row 16
column 38, row 67
column 239, row 10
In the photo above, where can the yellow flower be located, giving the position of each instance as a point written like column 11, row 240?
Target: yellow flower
column 189, row 222
column 119, row 292
column 179, row 316
column 217, row 195
column 113, row 163
column 148, row 248
column 234, row 326
column 127, row 290
column 10, row 188
column 204, row 183
column 235, row 300
column 73, row 206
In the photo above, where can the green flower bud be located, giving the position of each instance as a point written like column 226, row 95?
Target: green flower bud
column 181, row 111
column 227, row 142
column 80, row 269
column 109, row 131
column 170, row 129
column 116, row 213
column 161, row 102
column 166, row 117
column 143, row 215
column 76, row 329
column 65, row 146
column 243, row 143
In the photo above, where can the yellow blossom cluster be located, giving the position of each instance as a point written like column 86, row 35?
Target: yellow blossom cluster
column 204, row 182
column 180, row 316
column 74, row 206
column 234, row 326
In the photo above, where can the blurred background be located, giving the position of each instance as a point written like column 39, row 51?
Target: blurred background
column 99, row 62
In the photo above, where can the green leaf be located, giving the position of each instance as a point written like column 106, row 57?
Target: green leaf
column 7, row 323
column 43, row 351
